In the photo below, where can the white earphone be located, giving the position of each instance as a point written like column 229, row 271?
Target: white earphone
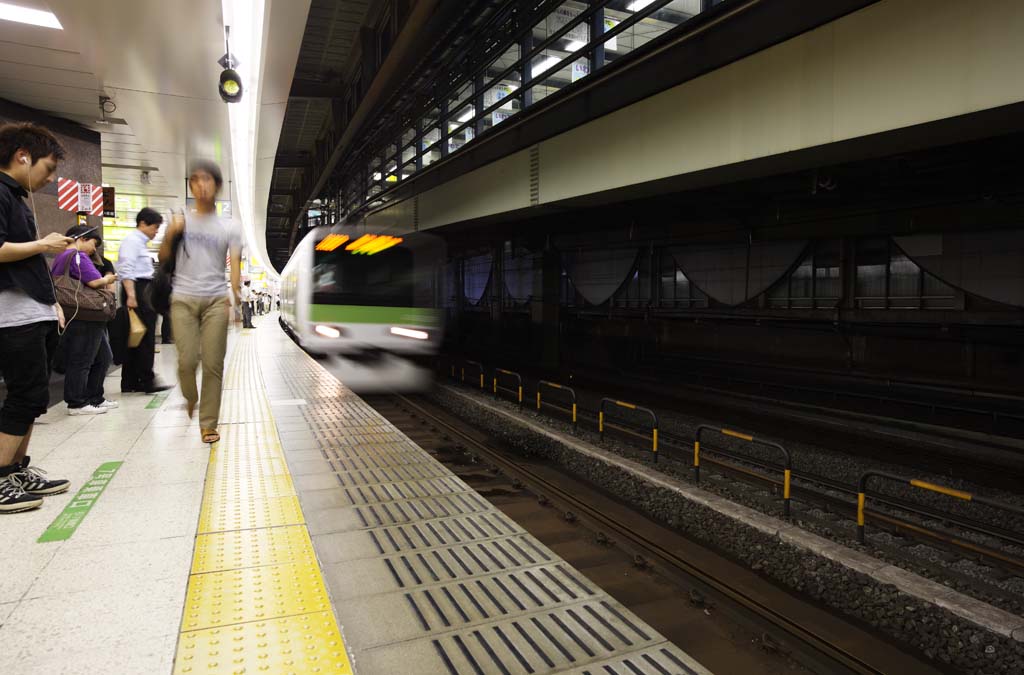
column 24, row 160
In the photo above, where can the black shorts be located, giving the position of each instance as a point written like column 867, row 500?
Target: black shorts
column 25, row 359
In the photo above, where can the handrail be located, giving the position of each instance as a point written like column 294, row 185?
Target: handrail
column 560, row 387
column 630, row 406
column 862, row 485
column 478, row 365
column 787, row 466
column 519, row 384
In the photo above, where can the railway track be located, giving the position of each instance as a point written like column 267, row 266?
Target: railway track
column 896, row 515
column 781, row 622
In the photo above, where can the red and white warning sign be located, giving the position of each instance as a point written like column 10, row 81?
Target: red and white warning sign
column 83, row 197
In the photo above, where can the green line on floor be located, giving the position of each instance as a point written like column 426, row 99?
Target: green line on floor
column 157, row 401
column 74, row 513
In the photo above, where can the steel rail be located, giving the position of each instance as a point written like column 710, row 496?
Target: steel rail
column 805, row 634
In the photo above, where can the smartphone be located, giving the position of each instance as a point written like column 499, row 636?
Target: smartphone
column 89, row 231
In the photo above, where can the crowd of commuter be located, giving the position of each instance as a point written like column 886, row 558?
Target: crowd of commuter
column 64, row 314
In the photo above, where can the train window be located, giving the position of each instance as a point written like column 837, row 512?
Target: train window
column 389, row 278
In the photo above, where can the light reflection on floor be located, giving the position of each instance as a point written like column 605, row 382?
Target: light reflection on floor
column 389, row 374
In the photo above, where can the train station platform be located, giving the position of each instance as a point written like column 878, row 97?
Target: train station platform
column 313, row 538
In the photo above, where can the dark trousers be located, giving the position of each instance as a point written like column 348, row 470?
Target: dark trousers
column 87, row 358
column 166, row 333
column 247, row 315
column 25, row 354
column 137, row 371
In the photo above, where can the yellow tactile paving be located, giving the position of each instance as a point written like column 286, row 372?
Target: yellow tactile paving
column 225, row 468
column 256, row 600
column 219, row 516
column 253, row 486
column 297, row 644
column 254, row 593
column 251, row 548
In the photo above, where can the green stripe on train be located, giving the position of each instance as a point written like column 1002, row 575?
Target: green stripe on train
column 399, row 316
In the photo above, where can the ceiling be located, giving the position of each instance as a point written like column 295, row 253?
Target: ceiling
column 330, row 38
column 157, row 61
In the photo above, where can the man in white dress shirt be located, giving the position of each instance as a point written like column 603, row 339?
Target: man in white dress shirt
column 135, row 267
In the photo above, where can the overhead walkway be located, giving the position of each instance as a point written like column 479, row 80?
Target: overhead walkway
column 314, row 538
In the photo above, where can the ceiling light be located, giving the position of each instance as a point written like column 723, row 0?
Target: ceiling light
column 575, row 45
column 34, row 17
column 638, row 5
column 544, row 66
column 467, row 116
column 405, row 332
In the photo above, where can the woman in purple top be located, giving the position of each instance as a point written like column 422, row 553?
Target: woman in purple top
column 85, row 344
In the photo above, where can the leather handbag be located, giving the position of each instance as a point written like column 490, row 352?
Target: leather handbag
column 81, row 303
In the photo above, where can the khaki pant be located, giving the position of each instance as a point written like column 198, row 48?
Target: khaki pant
column 201, row 333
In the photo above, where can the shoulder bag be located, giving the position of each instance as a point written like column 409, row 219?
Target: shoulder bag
column 163, row 281
column 80, row 302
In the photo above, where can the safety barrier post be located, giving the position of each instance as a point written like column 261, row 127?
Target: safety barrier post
column 480, row 366
column 519, row 384
column 862, row 486
column 787, row 474
column 560, row 387
column 629, row 406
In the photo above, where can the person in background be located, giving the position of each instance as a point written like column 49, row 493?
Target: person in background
column 29, row 313
column 135, row 267
column 200, row 307
column 247, row 299
column 166, row 332
column 85, row 344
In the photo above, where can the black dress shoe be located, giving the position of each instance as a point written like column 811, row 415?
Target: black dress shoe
column 129, row 390
column 155, row 388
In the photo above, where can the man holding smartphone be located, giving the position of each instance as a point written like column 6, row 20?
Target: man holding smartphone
column 29, row 313
column 135, row 268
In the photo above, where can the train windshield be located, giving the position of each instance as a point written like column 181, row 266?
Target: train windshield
column 388, row 278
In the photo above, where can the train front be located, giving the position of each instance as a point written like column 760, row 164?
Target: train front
column 376, row 295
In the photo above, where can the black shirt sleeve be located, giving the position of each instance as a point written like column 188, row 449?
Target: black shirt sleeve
column 5, row 214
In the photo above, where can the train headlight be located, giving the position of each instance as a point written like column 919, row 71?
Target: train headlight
column 409, row 333
column 327, row 331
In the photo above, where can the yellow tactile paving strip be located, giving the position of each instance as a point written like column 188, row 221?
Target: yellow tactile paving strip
column 256, row 600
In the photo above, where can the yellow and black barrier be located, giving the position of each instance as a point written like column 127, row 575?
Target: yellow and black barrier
column 479, row 366
column 787, row 466
column 601, row 424
column 559, row 387
column 862, row 486
column 517, row 392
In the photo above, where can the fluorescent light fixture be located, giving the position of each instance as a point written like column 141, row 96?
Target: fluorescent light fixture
column 544, row 66
column 575, row 45
column 34, row 17
column 246, row 19
column 406, row 332
column 467, row 116
column 327, row 331
column 638, row 5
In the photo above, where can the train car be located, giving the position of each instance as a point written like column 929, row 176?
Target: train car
column 365, row 295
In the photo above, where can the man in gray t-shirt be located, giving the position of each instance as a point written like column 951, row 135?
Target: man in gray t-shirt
column 199, row 302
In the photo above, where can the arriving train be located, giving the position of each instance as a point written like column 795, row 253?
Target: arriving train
column 362, row 295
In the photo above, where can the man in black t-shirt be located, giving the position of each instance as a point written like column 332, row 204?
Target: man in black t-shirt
column 29, row 313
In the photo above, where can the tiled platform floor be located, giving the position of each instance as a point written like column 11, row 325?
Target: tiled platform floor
column 210, row 553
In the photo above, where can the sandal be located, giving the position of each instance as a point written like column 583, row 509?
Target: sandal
column 210, row 435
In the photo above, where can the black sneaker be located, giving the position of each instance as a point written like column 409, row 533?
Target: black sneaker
column 33, row 480
column 14, row 499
